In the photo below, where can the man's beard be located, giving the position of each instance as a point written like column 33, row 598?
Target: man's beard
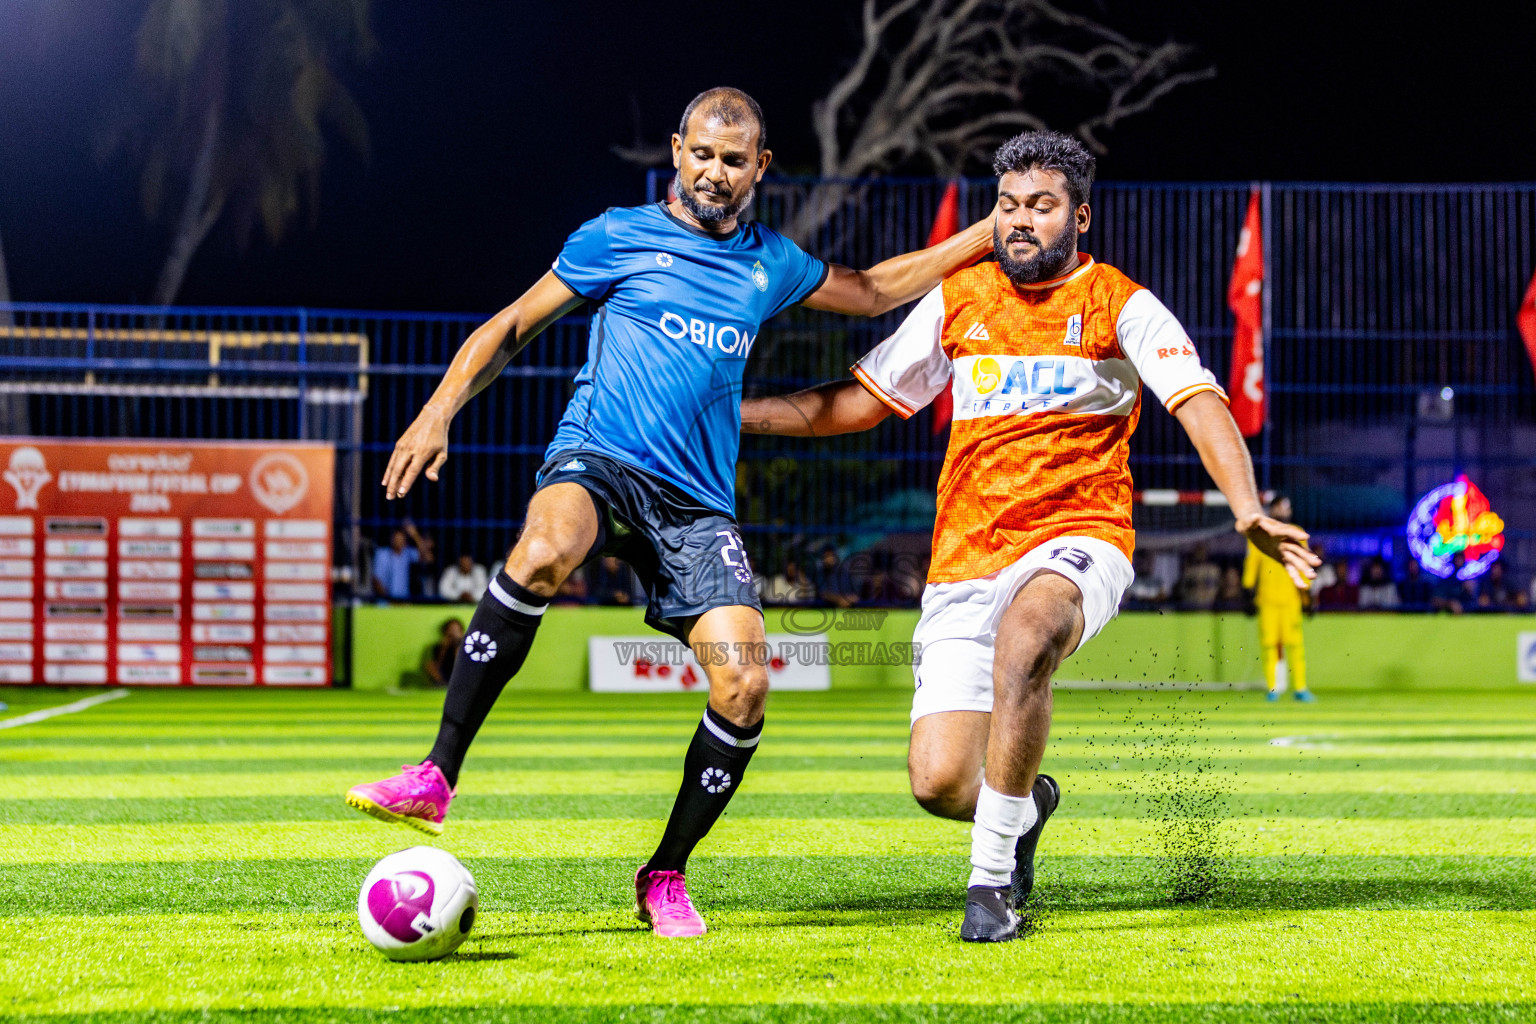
column 1044, row 264
column 709, row 213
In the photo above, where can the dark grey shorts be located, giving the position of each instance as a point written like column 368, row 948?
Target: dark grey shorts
column 688, row 558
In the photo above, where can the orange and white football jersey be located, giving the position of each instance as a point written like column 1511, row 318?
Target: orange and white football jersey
column 1047, row 390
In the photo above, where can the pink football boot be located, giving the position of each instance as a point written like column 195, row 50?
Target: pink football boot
column 661, row 900
column 419, row 797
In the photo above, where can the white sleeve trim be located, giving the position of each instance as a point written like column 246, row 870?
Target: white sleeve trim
column 909, row 369
column 1164, row 357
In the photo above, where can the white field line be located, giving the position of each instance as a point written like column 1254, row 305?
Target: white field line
column 62, row 709
column 1314, row 742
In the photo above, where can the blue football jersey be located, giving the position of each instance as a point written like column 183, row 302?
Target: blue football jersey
column 678, row 313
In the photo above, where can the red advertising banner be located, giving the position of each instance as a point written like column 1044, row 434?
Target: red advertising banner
column 165, row 562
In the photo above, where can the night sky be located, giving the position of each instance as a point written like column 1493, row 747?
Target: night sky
column 491, row 125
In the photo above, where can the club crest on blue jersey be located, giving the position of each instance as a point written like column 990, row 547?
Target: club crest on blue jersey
column 663, row 259
column 760, row 276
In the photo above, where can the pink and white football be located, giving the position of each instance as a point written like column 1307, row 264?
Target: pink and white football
column 418, row 904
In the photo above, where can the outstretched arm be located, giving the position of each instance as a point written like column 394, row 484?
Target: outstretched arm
column 423, row 448
column 900, row 279
column 841, row 407
column 1210, row 426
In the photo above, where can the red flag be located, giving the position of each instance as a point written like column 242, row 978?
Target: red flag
column 1245, row 297
column 945, row 223
column 1525, row 320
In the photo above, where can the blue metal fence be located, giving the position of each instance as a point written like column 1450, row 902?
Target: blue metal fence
column 1382, row 299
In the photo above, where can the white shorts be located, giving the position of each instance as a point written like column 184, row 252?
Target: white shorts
column 957, row 634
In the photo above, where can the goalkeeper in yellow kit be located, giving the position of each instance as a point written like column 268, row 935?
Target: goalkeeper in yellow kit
column 1279, row 602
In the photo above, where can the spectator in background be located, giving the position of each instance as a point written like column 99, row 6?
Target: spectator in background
column 1146, row 590
column 1494, row 593
column 1230, row 596
column 1377, row 589
column 1522, row 605
column 1451, row 594
column 571, row 591
column 463, row 581
column 1200, row 581
column 392, row 564
column 614, row 583
column 792, row 586
column 437, row 662
column 1167, row 566
column 424, row 573
column 833, row 585
column 1417, row 591
column 909, row 575
column 1326, row 577
column 1342, row 593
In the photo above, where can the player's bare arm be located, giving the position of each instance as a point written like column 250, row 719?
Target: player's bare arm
column 901, row 279
column 1215, row 435
column 423, row 448
column 839, row 407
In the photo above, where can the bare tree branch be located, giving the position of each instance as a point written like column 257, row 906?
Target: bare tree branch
column 643, row 156
column 1120, row 109
column 939, row 83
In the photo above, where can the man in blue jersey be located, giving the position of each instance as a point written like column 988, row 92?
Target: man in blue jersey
column 643, row 464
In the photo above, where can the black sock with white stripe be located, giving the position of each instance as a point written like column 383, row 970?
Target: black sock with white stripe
column 717, row 759
column 495, row 645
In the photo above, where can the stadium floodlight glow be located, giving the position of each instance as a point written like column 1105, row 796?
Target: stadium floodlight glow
column 1455, row 517
column 1446, row 394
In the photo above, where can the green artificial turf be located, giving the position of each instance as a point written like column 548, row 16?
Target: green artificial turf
column 185, row 856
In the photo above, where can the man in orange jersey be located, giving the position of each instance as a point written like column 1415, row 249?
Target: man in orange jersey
column 1047, row 350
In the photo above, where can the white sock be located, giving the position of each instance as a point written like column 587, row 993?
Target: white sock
column 1000, row 820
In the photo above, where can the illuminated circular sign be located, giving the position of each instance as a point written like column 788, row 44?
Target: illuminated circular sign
column 1455, row 517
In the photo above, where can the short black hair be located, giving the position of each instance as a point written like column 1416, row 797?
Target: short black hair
column 1049, row 151
column 728, row 106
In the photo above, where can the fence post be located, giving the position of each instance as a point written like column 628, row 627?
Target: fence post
column 650, row 185
column 1266, row 323
column 90, row 341
column 303, row 377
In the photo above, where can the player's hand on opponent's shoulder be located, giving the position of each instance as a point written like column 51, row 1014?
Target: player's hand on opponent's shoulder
column 1286, row 543
column 423, row 448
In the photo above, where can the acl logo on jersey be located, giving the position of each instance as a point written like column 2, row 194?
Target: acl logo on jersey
column 729, row 339
column 999, row 385
column 1025, row 377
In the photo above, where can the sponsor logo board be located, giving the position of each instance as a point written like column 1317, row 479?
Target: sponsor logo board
column 102, row 540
